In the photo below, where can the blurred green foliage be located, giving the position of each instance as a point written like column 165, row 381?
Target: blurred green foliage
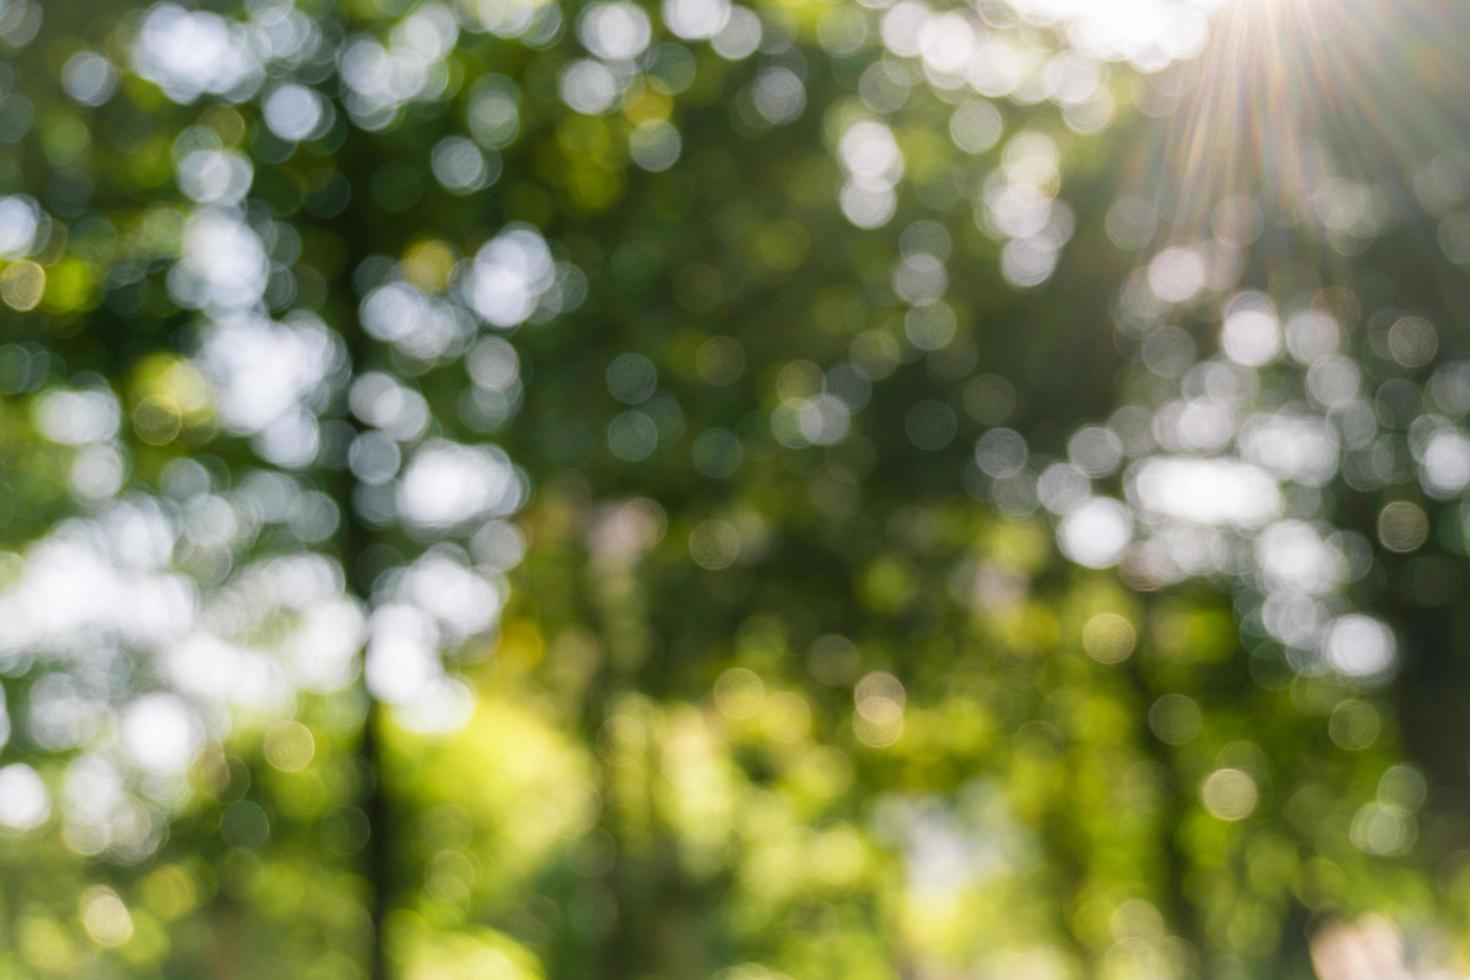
column 791, row 679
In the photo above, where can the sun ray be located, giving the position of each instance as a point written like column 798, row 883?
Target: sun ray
column 1293, row 94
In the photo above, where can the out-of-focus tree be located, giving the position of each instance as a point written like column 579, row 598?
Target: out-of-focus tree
column 502, row 488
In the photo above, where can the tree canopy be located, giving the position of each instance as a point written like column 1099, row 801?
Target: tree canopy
column 797, row 489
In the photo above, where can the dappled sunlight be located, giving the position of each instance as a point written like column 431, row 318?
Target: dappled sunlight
column 505, row 488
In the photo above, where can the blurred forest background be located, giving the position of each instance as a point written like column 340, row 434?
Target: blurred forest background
column 798, row 489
